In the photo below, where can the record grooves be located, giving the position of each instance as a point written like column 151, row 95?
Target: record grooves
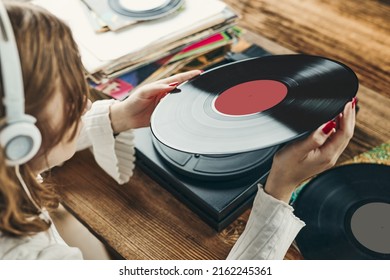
column 317, row 88
column 145, row 10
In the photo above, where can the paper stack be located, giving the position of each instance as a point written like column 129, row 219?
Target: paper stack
column 107, row 55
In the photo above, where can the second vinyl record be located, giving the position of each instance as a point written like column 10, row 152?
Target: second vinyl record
column 253, row 104
column 347, row 213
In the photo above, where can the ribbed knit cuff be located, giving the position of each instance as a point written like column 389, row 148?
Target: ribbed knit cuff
column 115, row 155
column 270, row 230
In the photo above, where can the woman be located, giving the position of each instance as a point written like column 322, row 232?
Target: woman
column 56, row 95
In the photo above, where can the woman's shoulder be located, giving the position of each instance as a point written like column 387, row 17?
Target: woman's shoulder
column 41, row 246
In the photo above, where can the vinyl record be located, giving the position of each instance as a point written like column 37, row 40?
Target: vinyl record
column 145, row 9
column 347, row 213
column 253, row 104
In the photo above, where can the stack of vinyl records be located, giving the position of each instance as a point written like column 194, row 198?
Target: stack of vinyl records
column 119, row 36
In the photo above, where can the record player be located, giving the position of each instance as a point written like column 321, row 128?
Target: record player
column 213, row 138
column 218, row 188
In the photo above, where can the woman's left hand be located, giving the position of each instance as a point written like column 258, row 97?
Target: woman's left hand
column 136, row 110
column 307, row 157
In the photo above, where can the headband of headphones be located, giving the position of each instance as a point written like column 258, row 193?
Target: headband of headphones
column 19, row 138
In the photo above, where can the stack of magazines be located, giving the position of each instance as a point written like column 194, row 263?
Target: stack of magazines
column 113, row 43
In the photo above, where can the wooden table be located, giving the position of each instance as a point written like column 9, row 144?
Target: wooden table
column 141, row 220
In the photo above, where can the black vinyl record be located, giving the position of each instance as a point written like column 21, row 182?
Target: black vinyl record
column 146, row 9
column 347, row 214
column 253, row 104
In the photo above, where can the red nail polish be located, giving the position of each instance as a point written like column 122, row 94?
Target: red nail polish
column 201, row 71
column 328, row 127
column 173, row 84
column 354, row 102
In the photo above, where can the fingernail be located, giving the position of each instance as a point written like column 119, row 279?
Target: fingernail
column 173, row 84
column 201, row 71
column 329, row 126
column 354, row 102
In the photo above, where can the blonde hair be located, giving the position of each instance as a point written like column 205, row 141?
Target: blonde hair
column 51, row 65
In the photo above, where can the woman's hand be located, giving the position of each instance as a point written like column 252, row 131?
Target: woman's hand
column 302, row 159
column 136, row 110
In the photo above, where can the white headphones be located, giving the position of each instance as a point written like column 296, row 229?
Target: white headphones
column 19, row 137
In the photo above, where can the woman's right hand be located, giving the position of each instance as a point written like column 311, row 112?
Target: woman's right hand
column 135, row 111
column 305, row 158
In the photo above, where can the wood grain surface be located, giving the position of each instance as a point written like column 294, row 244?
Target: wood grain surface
column 141, row 220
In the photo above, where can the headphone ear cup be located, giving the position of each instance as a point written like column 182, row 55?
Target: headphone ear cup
column 20, row 141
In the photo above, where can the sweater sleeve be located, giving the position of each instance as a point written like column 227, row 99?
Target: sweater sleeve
column 115, row 155
column 270, row 230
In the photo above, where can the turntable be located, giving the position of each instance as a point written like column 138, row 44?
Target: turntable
column 218, row 188
column 215, row 135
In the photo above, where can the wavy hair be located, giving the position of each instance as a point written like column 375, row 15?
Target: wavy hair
column 51, row 65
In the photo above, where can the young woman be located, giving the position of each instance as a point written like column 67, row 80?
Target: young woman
column 56, row 94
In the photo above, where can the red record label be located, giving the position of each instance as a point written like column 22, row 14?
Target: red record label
column 250, row 97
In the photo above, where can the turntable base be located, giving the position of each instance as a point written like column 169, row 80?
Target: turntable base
column 217, row 202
